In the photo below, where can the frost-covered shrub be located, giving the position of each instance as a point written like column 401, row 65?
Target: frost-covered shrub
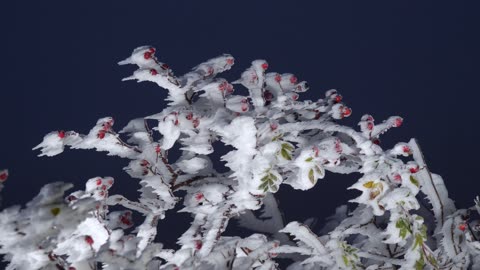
column 276, row 139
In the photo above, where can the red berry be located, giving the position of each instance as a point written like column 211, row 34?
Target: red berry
column 222, row 86
column 268, row 95
column 346, row 112
column 157, row 148
column 89, row 240
column 3, row 175
column 376, row 141
column 104, row 187
column 198, row 244
column 210, row 71
column 397, row 177
column 229, row 88
column 102, row 193
column 176, row 122
column 165, row 66
column 151, row 50
column 406, row 149
column 265, row 66
column 244, row 107
column 153, row 72
column 369, row 125
column 293, row 79
column 61, row 134
column 414, row 169
column 316, row 151
column 295, row 96
column 338, row 98
column 101, row 134
column 147, row 55
column 278, row 78
column 230, row 61
column 189, row 116
column 144, row 163
column 398, row 122
column 71, row 198
column 273, row 126
column 199, row 196
column 462, row 227
column 196, row 122
column 98, row 182
column 338, row 146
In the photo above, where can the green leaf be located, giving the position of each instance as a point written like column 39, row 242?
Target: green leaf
column 311, row 176
column 404, row 227
column 287, row 146
column 310, row 159
column 345, row 260
column 55, row 211
column 319, row 171
column 285, row 154
column 420, row 263
column 414, row 181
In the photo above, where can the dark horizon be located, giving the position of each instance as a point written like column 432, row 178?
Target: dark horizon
column 413, row 59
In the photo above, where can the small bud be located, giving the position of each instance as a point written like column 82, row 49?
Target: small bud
column 98, row 182
column 153, row 72
column 462, row 227
column 147, row 55
column 157, row 149
column 265, row 66
column 397, row 178
column 152, row 50
column 406, row 149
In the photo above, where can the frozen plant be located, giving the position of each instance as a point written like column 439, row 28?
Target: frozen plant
column 403, row 218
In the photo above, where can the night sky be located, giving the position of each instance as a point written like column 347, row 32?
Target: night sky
column 416, row 59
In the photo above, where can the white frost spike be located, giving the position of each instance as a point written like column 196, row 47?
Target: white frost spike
column 170, row 131
column 193, row 165
column 142, row 57
column 253, row 79
column 51, row 145
column 237, row 104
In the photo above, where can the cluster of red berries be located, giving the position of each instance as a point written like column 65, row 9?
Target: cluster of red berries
column 126, row 218
column 105, row 128
column 149, row 54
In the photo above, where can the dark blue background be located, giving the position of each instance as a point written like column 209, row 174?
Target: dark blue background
column 417, row 59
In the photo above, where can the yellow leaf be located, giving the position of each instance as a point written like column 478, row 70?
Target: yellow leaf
column 368, row 184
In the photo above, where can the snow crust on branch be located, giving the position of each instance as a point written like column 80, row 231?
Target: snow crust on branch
column 402, row 219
